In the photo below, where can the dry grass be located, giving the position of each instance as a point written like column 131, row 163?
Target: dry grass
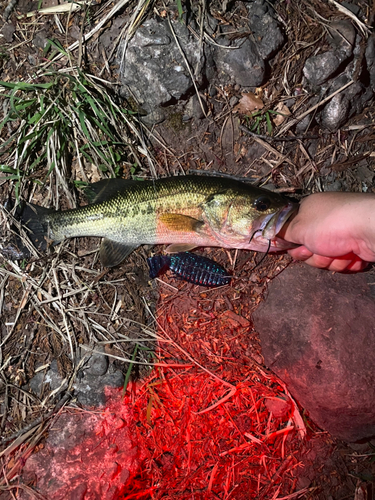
column 62, row 306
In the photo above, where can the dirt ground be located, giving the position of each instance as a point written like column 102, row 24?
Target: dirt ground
column 51, row 304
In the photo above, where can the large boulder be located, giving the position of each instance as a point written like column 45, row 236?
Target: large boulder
column 317, row 334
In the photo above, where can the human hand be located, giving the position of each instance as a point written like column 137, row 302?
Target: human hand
column 336, row 231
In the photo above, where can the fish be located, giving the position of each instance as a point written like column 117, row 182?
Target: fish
column 190, row 267
column 184, row 212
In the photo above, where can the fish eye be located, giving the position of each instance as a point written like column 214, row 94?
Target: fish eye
column 262, row 203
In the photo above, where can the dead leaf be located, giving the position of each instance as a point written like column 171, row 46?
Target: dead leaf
column 234, row 319
column 278, row 406
column 284, row 110
column 248, row 103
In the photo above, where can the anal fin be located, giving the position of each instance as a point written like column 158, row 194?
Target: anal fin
column 113, row 253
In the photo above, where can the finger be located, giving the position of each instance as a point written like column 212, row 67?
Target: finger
column 340, row 265
column 337, row 265
column 319, row 261
column 300, row 253
column 348, row 263
column 357, row 265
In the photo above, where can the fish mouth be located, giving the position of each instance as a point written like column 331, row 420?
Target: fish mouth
column 272, row 224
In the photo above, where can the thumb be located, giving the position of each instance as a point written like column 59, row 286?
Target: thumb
column 287, row 231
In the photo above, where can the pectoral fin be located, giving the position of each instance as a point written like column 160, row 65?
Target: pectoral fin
column 180, row 223
column 113, row 253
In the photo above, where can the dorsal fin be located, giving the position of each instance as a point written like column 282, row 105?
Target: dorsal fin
column 102, row 190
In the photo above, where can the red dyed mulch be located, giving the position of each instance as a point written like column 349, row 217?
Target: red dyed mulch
column 207, row 439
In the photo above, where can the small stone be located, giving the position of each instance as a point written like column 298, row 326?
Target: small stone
column 8, row 31
column 41, row 40
column 303, row 125
column 198, row 112
column 90, row 389
column 278, row 406
column 114, row 378
column 213, row 91
column 32, row 59
column 42, row 378
column 97, row 365
column 233, row 101
column 370, row 59
column 343, row 105
column 333, row 186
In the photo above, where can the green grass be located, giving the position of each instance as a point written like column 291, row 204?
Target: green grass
column 261, row 120
column 56, row 118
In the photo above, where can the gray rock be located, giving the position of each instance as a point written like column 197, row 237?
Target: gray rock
column 154, row 70
column 352, row 7
column 365, row 175
column 193, row 108
column 336, row 112
column 317, row 332
column 267, row 32
column 343, row 105
column 97, row 364
column 108, row 38
column 370, row 60
column 343, row 60
column 42, row 378
column 90, row 389
column 90, row 383
column 303, row 125
column 318, row 69
column 243, row 65
column 85, row 456
column 211, row 24
column 333, row 185
column 342, row 36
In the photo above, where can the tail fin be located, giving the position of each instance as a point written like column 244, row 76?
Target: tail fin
column 33, row 219
column 33, row 222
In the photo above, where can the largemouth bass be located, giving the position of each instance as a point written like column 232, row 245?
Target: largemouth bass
column 184, row 212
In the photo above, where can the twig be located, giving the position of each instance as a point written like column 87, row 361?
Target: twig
column 87, row 37
column 187, row 66
column 175, row 344
column 362, row 26
column 290, row 124
column 271, row 138
column 37, row 422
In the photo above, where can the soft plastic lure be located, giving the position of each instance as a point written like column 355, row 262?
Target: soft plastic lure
column 190, row 267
